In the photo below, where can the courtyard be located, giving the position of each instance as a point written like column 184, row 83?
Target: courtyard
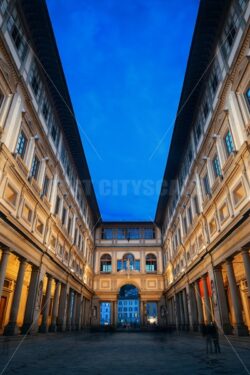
column 121, row 353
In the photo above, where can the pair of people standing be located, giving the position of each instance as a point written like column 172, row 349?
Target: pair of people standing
column 210, row 332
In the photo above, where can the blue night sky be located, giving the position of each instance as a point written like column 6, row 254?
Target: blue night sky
column 124, row 62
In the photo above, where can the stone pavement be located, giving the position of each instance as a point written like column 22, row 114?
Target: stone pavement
column 123, row 353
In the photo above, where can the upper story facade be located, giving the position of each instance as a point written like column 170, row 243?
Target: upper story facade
column 206, row 188
column 45, row 185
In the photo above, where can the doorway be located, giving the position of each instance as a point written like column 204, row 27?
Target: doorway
column 128, row 307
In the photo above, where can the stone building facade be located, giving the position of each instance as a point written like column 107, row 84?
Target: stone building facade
column 205, row 217
column 61, row 266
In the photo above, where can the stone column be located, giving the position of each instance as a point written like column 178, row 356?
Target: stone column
column 83, row 313
column 192, row 308
column 78, row 312
column 61, row 321
column 45, row 313
column 31, row 300
column 11, row 328
column 181, row 308
column 53, row 327
column 240, row 327
column 199, row 304
column 176, row 311
column 73, row 317
column 184, row 300
column 3, row 266
column 246, row 261
column 69, row 311
column 208, row 316
column 222, row 301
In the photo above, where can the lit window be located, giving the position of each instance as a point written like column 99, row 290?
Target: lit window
column 21, row 144
column 151, row 263
column 106, row 265
column 247, row 95
column 216, row 166
column 229, row 143
column 35, row 167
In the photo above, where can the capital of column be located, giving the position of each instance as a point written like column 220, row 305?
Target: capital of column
column 245, row 249
column 5, row 249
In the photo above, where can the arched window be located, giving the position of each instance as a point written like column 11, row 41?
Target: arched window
column 106, row 264
column 151, row 263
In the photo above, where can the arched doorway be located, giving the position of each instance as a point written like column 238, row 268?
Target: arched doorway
column 128, row 307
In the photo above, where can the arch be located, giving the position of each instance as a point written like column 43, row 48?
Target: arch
column 131, row 282
column 128, row 306
column 151, row 263
column 106, row 263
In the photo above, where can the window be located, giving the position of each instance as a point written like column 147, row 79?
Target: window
column 215, row 77
column 64, row 212
column 58, row 203
column 45, row 108
column 229, row 143
column 75, row 236
column 216, row 166
column 4, row 5
column 205, row 110
column 17, row 35
column 230, row 31
column 1, row 98
column 106, row 263
column 35, row 167
column 190, row 215
column 247, row 96
column 21, row 144
column 196, row 205
column 197, row 132
column 185, row 224
column 69, row 225
column 35, row 82
column 46, row 186
column 151, row 263
column 206, row 185
column 133, row 233
column 107, row 233
column 149, row 233
column 54, row 136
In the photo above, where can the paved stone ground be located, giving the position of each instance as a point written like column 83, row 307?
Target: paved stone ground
column 122, row 353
